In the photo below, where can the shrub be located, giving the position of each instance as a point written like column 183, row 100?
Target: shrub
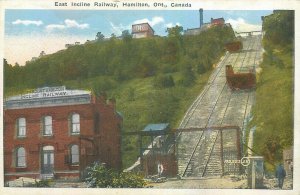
column 101, row 177
column 42, row 184
column 163, row 81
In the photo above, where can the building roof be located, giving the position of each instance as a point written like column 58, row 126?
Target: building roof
column 196, row 31
column 48, row 96
column 217, row 20
column 143, row 30
column 156, row 127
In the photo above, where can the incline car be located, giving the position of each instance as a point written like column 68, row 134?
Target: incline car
column 234, row 46
column 237, row 81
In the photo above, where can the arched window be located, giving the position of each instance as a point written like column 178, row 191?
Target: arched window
column 21, row 127
column 21, row 157
column 47, row 125
column 75, row 123
column 74, row 150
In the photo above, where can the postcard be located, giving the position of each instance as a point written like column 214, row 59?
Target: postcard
column 149, row 97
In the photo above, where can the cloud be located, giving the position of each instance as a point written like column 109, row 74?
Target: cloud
column 117, row 29
column 67, row 24
column 74, row 24
column 170, row 25
column 154, row 21
column 240, row 25
column 28, row 22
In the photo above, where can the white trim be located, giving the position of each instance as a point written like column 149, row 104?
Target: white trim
column 75, row 171
column 38, row 173
column 22, row 173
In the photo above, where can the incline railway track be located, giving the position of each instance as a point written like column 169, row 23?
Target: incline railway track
column 198, row 154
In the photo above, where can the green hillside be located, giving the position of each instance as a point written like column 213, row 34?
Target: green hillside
column 153, row 80
column 274, row 108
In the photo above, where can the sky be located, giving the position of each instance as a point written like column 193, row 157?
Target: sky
column 28, row 32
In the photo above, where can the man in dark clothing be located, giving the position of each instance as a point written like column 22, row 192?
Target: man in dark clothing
column 280, row 174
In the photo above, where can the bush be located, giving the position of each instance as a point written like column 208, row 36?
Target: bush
column 187, row 77
column 101, row 177
column 163, row 81
column 103, row 84
column 42, row 183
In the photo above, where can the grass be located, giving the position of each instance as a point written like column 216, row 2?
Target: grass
column 273, row 111
column 141, row 103
column 151, row 105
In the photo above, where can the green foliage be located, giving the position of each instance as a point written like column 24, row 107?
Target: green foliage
column 101, row 177
column 122, row 60
column 175, row 31
column 130, row 94
column 279, row 27
column 99, row 36
column 273, row 111
column 42, row 184
column 163, row 81
column 201, row 68
column 103, row 84
column 126, row 36
column 187, row 76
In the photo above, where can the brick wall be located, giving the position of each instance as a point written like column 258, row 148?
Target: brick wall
column 99, row 123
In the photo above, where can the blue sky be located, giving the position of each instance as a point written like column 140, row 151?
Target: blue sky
column 27, row 32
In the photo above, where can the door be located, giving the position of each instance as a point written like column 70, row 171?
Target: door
column 48, row 160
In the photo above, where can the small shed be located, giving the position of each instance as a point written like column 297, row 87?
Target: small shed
column 156, row 134
column 161, row 149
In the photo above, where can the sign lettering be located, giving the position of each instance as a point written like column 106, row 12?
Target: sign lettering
column 244, row 161
column 47, row 92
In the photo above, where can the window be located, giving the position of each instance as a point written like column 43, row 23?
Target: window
column 21, row 157
column 75, row 126
column 47, row 125
column 21, row 127
column 74, row 154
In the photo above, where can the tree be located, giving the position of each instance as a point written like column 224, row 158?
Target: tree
column 99, row 36
column 175, row 31
column 126, row 36
column 113, row 36
column 187, row 76
column 279, row 27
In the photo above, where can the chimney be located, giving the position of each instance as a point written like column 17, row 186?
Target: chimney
column 201, row 17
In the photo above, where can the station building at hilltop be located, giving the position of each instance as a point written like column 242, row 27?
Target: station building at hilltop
column 142, row 30
column 56, row 133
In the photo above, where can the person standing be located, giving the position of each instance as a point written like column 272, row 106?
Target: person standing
column 160, row 169
column 291, row 168
column 280, row 175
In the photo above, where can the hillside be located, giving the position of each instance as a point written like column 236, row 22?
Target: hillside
column 273, row 111
column 153, row 80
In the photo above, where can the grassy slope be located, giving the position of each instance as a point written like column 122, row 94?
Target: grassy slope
column 273, row 111
column 149, row 105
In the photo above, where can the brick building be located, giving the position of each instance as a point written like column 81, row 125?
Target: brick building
column 142, row 30
column 55, row 132
column 217, row 22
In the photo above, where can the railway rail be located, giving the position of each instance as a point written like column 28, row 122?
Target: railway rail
column 198, row 154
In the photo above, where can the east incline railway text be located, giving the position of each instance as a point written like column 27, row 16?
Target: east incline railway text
column 85, row 4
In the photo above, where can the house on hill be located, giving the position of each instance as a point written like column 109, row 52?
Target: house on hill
column 142, row 30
